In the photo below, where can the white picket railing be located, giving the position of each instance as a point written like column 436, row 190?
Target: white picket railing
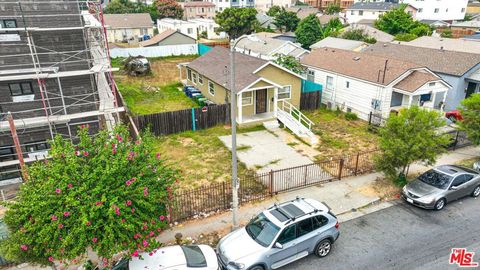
column 295, row 113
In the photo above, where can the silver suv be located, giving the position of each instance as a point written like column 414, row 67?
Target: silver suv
column 280, row 235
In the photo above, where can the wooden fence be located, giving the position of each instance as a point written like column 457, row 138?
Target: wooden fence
column 310, row 100
column 217, row 197
column 179, row 121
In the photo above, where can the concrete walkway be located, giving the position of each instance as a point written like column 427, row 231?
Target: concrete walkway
column 264, row 151
column 347, row 198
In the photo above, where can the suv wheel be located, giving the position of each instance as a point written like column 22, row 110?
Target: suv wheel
column 323, row 248
column 440, row 204
column 476, row 192
column 257, row 267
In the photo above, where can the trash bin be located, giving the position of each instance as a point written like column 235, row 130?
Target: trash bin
column 201, row 101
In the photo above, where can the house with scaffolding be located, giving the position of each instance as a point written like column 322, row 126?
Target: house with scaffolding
column 55, row 75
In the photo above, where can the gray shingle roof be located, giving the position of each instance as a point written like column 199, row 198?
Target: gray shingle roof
column 262, row 44
column 339, row 43
column 215, row 65
column 373, row 6
column 372, row 32
column 131, row 20
column 441, row 61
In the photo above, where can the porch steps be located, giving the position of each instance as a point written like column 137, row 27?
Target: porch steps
column 271, row 125
column 296, row 127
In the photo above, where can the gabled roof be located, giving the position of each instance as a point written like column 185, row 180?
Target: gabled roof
column 358, row 65
column 441, row 61
column 449, row 44
column 131, row 20
column 415, row 80
column 265, row 45
column 384, row 6
column 160, row 37
column 303, row 11
column 372, row 32
column 339, row 43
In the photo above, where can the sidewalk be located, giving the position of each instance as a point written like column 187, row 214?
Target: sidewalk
column 345, row 197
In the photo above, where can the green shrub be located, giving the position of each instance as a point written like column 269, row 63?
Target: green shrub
column 405, row 37
column 350, row 116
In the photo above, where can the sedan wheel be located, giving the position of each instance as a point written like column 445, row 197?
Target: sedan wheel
column 476, row 192
column 323, row 248
column 440, row 204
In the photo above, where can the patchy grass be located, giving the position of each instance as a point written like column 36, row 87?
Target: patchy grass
column 468, row 162
column 244, row 148
column 339, row 136
column 143, row 99
column 156, row 92
column 292, row 144
column 200, row 156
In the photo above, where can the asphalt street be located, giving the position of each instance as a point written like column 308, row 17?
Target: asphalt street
column 403, row 237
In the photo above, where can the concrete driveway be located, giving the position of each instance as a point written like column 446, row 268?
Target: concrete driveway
column 262, row 151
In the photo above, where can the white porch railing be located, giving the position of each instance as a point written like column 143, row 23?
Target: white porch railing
column 295, row 113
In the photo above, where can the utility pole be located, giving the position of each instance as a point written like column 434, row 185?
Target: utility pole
column 233, row 115
column 18, row 149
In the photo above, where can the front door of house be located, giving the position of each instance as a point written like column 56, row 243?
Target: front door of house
column 470, row 89
column 261, row 101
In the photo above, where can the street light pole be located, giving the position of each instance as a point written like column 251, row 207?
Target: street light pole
column 233, row 115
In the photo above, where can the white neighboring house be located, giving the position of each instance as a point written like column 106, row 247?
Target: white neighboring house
column 128, row 27
column 370, row 11
column 363, row 83
column 209, row 26
column 184, row 27
column 443, row 10
column 221, row 5
column 265, row 5
column 261, row 45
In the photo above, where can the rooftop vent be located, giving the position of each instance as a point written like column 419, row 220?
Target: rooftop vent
column 356, row 58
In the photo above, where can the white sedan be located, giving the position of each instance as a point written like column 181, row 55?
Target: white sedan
column 201, row 257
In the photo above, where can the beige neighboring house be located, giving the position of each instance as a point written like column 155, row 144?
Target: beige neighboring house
column 264, row 46
column 198, row 9
column 263, row 88
column 371, row 31
column 363, row 83
column 449, row 44
column 303, row 11
column 168, row 37
column 128, row 27
column 340, row 43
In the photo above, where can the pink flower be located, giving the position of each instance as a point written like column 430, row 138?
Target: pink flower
column 77, row 153
column 58, row 191
column 135, row 253
column 145, row 243
column 60, row 226
column 151, row 234
column 129, row 203
column 159, row 229
column 123, row 220
column 133, row 210
column 98, row 203
column 50, row 259
column 66, row 214
column 24, row 247
column 54, row 217
column 117, row 211
column 158, row 155
column 136, row 236
column 137, row 142
column 88, row 223
column 114, row 151
column 145, row 192
column 153, row 222
column 69, row 185
column 119, row 138
column 162, row 218
column 85, row 153
column 150, row 254
column 144, row 227
column 94, row 240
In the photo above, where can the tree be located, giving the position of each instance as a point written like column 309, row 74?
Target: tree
column 237, row 21
column 358, row 34
column 286, row 20
column 411, row 136
column 289, row 62
column 168, row 9
column 333, row 9
column 107, row 193
column 126, row 6
column 332, row 28
column 447, row 33
column 470, row 111
column 308, row 31
column 395, row 21
column 273, row 11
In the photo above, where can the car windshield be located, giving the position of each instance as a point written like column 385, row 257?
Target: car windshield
column 436, row 179
column 194, row 256
column 262, row 230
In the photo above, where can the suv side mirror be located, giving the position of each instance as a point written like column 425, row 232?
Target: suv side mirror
column 278, row 245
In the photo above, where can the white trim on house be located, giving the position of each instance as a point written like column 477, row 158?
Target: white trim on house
column 247, row 88
column 280, row 67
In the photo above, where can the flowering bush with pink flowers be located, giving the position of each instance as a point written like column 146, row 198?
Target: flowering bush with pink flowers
column 108, row 193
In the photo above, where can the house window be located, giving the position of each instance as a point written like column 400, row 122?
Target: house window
column 431, row 84
column 211, row 88
column 20, row 89
column 329, row 82
column 200, row 79
column 247, row 98
column 436, row 10
column 463, row 10
column 347, row 84
column 194, row 78
column 376, row 104
column 352, row 13
column 420, row 10
column 311, row 75
column 360, row 13
column 190, row 30
column 189, row 74
column 285, row 92
column 8, row 23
